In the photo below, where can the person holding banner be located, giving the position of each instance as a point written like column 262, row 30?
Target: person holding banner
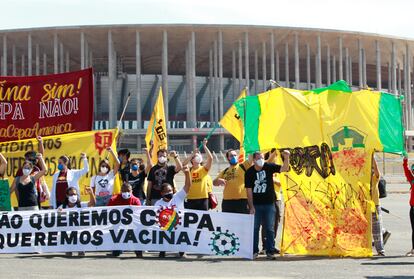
column 136, row 177
column 65, row 178
column 3, row 166
column 197, row 197
column 161, row 173
column 123, row 158
column 259, row 182
column 25, row 185
column 232, row 178
column 103, row 182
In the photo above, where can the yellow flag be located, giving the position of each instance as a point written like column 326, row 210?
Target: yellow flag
column 231, row 121
column 157, row 129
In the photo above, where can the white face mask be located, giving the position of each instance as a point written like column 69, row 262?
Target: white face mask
column 73, row 198
column 104, row 170
column 126, row 195
column 162, row 159
column 27, row 171
column 260, row 162
column 198, row 159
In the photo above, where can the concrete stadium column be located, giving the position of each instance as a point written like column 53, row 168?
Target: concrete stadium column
column 192, row 99
column 4, row 71
column 378, row 64
column 364, row 68
column 211, row 84
column 138, row 81
column 233, row 73
column 246, row 56
column 297, row 77
column 340, row 61
column 394, row 69
column 55, row 53
column 408, row 83
column 220, row 49
column 14, row 71
column 86, row 54
column 44, row 63
column 29, row 55
column 256, row 72
column 264, row 73
column 308, row 67
column 389, row 78
column 287, row 64
column 334, row 68
column 23, row 66
column 82, row 50
column 399, row 77
column 165, row 73
column 90, row 58
column 350, row 71
column 360, row 77
column 111, row 83
column 61, row 58
column 187, row 81
column 272, row 56
column 216, row 115
column 37, row 53
column 277, row 67
column 319, row 64
column 347, row 65
column 67, row 64
column 240, row 52
column 328, row 65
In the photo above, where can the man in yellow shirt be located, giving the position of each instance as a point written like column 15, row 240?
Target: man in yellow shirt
column 232, row 178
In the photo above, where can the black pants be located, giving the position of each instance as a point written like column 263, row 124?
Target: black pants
column 235, row 206
column 197, row 204
column 412, row 225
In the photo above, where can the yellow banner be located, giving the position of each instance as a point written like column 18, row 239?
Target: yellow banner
column 157, row 129
column 93, row 143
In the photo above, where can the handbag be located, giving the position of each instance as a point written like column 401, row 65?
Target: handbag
column 212, row 201
column 382, row 188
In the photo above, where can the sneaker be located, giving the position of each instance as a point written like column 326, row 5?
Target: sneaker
column 386, row 235
column 410, row 254
column 381, row 254
column 255, row 256
column 182, row 255
column 270, row 256
column 277, row 251
column 138, row 254
column 81, row 254
column 263, row 252
column 161, row 255
column 68, row 254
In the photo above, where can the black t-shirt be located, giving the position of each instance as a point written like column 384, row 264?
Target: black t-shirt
column 261, row 183
column 137, row 183
column 27, row 193
column 124, row 171
column 159, row 175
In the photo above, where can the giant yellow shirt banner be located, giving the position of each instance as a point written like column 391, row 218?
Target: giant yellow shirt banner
column 93, row 143
column 331, row 134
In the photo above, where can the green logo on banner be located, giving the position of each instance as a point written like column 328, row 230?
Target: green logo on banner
column 4, row 195
column 347, row 138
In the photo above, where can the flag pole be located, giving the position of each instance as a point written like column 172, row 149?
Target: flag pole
column 122, row 117
column 209, row 135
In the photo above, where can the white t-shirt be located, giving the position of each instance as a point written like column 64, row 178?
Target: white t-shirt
column 83, row 205
column 104, row 185
column 177, row 200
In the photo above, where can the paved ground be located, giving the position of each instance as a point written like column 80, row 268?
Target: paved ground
column 97, row 265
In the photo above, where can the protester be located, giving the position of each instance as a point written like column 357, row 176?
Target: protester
column 103, row 182
column 410, row 178
column 197, row 197
column 171, row 199
column 261, row 198
column 161, row 173
column 123, row 158
column 138, row 173
column 232, row 178
column 125, row 198
column 25, row 185
column 3, row 166
column 65, row 178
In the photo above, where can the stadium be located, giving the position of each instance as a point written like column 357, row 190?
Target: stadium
column 203, row 68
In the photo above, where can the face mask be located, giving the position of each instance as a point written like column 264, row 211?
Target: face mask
column 260, row 162
column 198, row 159
column 104, row 169
column 61, row 167
column 134, row 167
column 126, row 195
column 233, row 160
column 27, row 171
column 73, row 198
column 162, row 159
column 168, row 196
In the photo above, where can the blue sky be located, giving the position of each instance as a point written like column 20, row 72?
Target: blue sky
column 392, row 17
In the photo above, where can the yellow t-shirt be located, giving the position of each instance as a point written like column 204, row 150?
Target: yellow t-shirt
column 200, row 187
column 277, row 186
column 234, row 176
column 374, row 189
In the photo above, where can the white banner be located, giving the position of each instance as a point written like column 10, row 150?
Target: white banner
column 127, row 228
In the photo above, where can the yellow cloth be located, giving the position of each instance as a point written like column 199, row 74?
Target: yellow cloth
column 231, row 121
column 200, row 184
column 375, row 190
column 277, row 186
column 234, row 176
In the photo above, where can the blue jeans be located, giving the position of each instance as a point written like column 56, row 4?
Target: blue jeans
column 265, row 214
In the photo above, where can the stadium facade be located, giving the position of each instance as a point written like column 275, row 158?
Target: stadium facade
column 203, row 68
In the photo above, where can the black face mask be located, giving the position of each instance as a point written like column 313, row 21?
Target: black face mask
column 168, row 196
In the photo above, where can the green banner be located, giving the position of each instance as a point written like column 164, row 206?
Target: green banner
column 4, row 195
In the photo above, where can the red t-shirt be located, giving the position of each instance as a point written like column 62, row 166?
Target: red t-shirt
column 410, row 178
column 119, row 200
